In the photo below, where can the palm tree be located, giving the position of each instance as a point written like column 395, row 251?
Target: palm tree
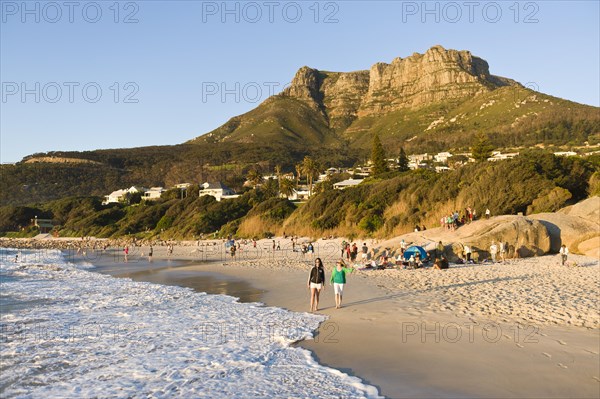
column 298, row 173
column 278, row 174
column 310, row 168
column 255, row 177
column 287, row 187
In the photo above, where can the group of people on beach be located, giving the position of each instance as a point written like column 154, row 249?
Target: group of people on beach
column 455, row 220
column 316, row 282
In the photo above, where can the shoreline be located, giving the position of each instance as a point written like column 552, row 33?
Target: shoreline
column 371, row 337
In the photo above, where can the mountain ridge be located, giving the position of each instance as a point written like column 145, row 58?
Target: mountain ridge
column 436, row 101
column 398, row 100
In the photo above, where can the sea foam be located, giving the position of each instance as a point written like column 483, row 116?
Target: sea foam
column 69, row 332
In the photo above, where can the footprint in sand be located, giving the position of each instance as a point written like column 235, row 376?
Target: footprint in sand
column 549, row 356
column 519, row 345
column 560, row 341
column 562, row 366
column 506, row 336
column 543, row 335
column 592, row 352
column 596, row 378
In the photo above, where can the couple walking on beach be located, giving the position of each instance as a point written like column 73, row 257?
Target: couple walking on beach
column 316, row 282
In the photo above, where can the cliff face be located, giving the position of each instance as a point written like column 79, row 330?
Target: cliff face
column 422, row 79
column 438, row 100
column 437, row 76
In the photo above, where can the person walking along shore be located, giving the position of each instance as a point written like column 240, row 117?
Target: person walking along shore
column 316, row 283
column 338, row 280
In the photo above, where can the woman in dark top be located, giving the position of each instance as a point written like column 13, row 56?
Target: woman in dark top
column 316, row 283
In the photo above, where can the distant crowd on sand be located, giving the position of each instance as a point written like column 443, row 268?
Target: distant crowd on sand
column 370, row 257
column 413, row 256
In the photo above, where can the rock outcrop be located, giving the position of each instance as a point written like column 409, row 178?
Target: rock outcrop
column 439, row 75
column 525, row 237
column 576, row 226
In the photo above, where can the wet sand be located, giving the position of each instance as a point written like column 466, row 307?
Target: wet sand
column 178, row 273
column 400, row 339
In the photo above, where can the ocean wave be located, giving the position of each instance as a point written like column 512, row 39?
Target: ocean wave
column 84, row 334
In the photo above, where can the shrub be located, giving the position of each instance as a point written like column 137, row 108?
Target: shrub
column 550, row 201
column 371, row 223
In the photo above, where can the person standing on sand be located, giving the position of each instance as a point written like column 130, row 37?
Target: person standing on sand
column 493, row 251
column 503, row 251
column 316, row 283
column 354, row 252
column 338, row 280
column 487, row 214
column 467, row 250
column 563, row 251
column 365, row 251
column 126, row 252
column 150, row 252
column 439, row 250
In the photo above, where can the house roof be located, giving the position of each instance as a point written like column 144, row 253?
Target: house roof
column 349, row 182
column 215, row 186
column 117, row 193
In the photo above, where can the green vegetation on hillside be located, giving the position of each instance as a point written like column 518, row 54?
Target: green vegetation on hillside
column 388, row 204
column 394, row 203
column 26, row 183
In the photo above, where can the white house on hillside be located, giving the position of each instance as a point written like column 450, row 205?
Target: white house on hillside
column 114, row 197
column 217, row 190
column 119, row 195
column 300, row 193
column 565, row 153
column 442, row 157
column 153, row 194
column 498, row 156
column 364, row 171
column 347, row 183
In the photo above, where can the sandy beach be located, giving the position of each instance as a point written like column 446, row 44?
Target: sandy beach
column 526, row 328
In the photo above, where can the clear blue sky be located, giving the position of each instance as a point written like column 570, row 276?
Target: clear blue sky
column 179, row 55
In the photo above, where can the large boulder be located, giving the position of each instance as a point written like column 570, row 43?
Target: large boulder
column 525, row 237
column 588, row 209
column 576, row 226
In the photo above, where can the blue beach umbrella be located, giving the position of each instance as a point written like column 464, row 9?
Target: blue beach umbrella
column 413, row 251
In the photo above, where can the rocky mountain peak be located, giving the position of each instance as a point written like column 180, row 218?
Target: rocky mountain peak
column 438, row 75
column 305, row 85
